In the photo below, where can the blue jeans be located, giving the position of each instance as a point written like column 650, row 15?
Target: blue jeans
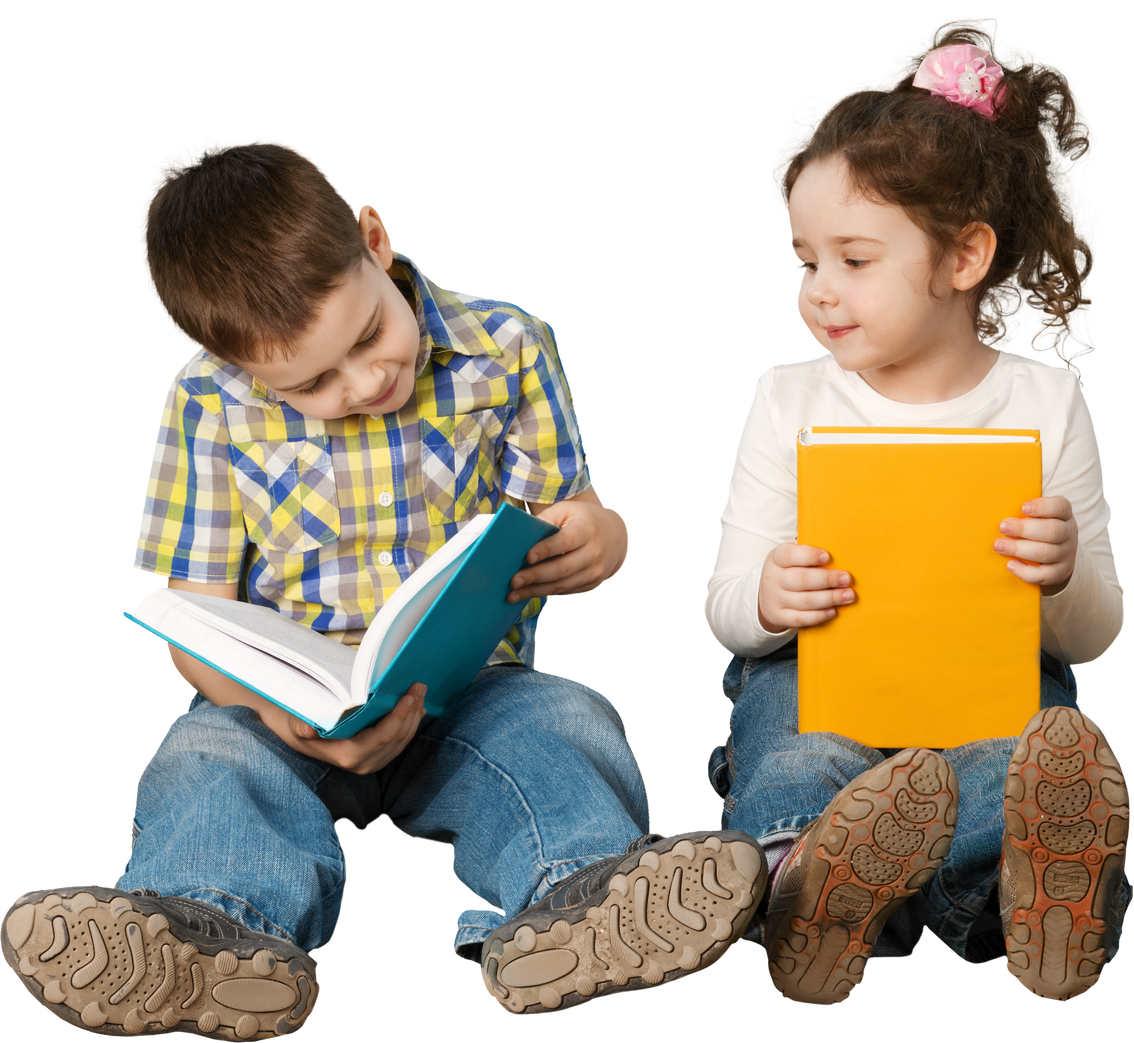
column 775, row 780
column 529, row 779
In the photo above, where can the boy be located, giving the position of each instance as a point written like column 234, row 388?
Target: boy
column 345, row 417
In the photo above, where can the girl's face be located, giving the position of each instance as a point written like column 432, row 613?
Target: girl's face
column 866, row 294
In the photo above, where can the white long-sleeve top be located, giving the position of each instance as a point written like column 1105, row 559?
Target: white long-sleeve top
column 1077, row 624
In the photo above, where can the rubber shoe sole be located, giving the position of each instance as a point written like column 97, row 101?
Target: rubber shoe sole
column 667, row 911
column 1066, row 817
column 101, row 962
column 879, row 840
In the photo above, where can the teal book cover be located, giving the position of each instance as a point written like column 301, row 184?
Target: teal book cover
column 438, row 629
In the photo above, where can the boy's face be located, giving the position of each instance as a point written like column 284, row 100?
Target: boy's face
column 359, row 354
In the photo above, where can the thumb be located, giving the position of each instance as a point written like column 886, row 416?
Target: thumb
column 301, row 729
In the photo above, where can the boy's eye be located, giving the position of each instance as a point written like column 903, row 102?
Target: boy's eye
column 375, row 336
column 319, row 383
column 810, row 266
column 853, row 262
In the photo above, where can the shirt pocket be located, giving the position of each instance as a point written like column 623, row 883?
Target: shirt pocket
column 287, row 493
column 458, row 463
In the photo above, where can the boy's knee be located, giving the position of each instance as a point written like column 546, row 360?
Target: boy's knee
column 209, row 727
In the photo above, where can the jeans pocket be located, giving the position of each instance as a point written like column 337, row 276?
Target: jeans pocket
column 719, row 776
column 287, row 493
column 458, row 463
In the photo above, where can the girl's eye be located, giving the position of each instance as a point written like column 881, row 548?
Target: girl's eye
column 810, row 265
column 313, row 388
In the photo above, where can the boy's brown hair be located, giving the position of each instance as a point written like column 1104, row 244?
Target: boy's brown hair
column 245, row 244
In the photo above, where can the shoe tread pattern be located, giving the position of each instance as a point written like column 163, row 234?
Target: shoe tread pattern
column 99, row 960
column 1067, row 814
column 879, row 840
column 671, row 909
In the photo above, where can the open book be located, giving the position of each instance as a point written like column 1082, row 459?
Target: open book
column 941, row 645
column 439, row 627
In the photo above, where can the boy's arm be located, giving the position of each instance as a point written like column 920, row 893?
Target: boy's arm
column 589, row 548
column 366, row 752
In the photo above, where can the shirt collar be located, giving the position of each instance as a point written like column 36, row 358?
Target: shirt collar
column 443, row 321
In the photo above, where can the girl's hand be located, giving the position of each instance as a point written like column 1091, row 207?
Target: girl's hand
column 1043, row 544
column 797, row 591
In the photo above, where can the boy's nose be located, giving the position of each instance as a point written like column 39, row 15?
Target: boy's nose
column 365, row 377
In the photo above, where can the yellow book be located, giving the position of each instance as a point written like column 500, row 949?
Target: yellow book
column 941, row 646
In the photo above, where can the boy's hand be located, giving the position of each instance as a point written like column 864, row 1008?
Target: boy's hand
column 797, row 591
column 1043, row 544
column 367, row 751
column 589, row 548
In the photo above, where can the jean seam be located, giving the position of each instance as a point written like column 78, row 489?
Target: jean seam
column 540, row 861
column 629, row 745
column 248, row 905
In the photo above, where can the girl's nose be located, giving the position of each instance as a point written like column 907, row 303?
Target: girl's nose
column 821, row 291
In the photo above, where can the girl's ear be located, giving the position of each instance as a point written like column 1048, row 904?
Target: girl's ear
column 974, row 255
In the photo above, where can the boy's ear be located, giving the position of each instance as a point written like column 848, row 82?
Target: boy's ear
column 374, row 232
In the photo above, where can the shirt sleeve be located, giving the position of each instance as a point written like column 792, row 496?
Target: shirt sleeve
column 193, row 526
column 543, row 459
column 1079, row 623
column 759, row 516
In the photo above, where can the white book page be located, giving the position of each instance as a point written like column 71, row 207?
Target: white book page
column 403, row 611
column 809, row 437
column 284, row 659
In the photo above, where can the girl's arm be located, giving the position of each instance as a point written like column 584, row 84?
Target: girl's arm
column 1081, row 609
column 760, row 516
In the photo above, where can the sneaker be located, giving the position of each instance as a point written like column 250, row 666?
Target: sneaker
column 1066, row 815
column 122, row 963
column 879, row 840
column 665, row 909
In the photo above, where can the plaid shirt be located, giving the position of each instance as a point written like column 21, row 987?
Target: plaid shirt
column 323, row 519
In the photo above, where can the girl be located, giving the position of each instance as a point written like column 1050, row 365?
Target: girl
column 916, row 213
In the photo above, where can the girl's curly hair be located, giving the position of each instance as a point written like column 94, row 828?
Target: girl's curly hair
column 949, row 166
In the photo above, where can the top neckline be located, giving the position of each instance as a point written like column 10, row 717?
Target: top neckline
column 930, row 412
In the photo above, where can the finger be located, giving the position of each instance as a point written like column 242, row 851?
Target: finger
column 792, row 555
column 1048, row 507
column 798, row 620
column 1042, row 530
column 1029, row 550
column 404, row 714
column 301, row 729
column 568, row 538
column 814, row 579
column 1038, row 575
column 817, row 600
column 579, row 570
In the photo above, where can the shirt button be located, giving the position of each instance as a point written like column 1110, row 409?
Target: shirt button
column 385, row 558
column 385, row 499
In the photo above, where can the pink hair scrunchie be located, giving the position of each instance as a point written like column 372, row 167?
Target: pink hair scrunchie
column 963, row 74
